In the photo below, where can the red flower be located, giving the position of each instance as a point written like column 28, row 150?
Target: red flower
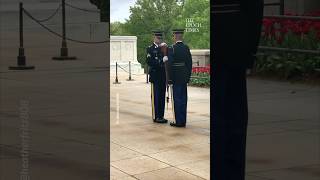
column 276, row 28
column 205, row 69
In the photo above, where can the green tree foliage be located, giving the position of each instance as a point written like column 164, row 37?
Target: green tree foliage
column 148, row 15
column 117, row 29
column 199, row 12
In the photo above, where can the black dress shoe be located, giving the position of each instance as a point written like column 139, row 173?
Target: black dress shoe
column 164, row 119
column 160, row 120
column 177, row 125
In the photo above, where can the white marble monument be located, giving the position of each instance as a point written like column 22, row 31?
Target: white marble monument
column 122, row 50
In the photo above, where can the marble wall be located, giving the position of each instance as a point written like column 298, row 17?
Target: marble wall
column 200, row 57
column 123, row 49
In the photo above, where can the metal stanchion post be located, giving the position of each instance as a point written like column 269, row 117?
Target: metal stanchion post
column 129, row 79
column 64, row 49
column 116, row 80
column 21, row 59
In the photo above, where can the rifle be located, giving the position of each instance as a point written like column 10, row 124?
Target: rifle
column 167, row 65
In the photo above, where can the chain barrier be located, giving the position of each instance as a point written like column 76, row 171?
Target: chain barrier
column 51, row 16
column 81, row 9
column 123, row 68
column 59, row 35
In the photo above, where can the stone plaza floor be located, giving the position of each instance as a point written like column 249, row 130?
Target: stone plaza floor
column 141, row 149
column 283, row 133
column 68, row 102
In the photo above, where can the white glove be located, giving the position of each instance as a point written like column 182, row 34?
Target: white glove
column 163, row 44
column 165, row 58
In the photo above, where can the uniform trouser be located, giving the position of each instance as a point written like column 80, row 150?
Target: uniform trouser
column 180, row 98
column 158, row 94
column 229, row 122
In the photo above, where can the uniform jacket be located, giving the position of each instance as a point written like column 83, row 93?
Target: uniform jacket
column 156, row 65
column 181, row 63
column 236, row 28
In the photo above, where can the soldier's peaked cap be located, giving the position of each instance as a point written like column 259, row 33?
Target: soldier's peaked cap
column 177, row 31
column 157, row 32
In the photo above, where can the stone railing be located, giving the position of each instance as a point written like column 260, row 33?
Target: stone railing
column 200, row 57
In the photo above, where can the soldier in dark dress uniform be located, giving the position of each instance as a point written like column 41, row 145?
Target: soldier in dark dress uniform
column 181, row 66
column 235, row 33
column 157, row 78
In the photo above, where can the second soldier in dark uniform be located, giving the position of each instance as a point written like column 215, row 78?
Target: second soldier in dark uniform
column 236, row 28
column 157, row 78
column 181, row 66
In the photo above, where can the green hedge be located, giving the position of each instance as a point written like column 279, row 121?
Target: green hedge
column 288, row 66
column 200, row 80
